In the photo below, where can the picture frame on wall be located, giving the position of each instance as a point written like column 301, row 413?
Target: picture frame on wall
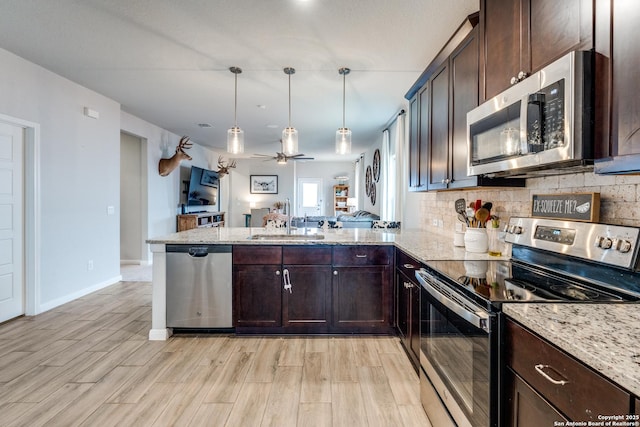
column 263, row 184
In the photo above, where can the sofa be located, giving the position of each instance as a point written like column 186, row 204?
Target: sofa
column 357, row 219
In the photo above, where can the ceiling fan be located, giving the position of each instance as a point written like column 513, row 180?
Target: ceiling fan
column 282, row 158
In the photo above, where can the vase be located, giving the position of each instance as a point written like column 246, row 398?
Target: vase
column 476, row 240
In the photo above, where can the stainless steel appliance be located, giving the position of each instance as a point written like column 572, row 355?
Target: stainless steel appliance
column 544, row 122
column 199, row 286
column 461, row 318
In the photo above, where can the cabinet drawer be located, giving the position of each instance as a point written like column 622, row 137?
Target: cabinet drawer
column 361, row 255
column 406, row 264
column 305, row 255
column 583, row 396
column 257, row 254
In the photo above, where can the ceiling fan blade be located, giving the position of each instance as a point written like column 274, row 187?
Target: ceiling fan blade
column 301, row 158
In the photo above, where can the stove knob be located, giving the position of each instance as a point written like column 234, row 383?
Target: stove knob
column 604, row 242
column 517, row 229
column 623, row 246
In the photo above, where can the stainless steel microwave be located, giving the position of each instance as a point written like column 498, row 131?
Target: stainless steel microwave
column 542, row 124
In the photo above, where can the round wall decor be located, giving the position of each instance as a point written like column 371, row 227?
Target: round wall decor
column 376, row 165
column 373, row 193
column 367, row 181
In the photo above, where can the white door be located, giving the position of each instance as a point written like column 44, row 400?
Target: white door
column 310, row 197
column 11, row 227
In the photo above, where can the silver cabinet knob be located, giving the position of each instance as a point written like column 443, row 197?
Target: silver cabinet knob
column 277, row 272
column 335, row 272
column 513, row 80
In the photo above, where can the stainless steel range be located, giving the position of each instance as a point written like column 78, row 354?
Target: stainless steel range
column 461, row 318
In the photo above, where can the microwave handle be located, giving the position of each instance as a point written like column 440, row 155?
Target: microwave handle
column 524, row 109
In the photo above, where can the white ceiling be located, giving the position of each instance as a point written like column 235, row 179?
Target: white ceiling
column 167, row 61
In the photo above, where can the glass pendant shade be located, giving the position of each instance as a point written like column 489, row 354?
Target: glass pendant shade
column 290, row 141
column 235, row 140
column 343, row 134
column 343, row 141
column 235, row 135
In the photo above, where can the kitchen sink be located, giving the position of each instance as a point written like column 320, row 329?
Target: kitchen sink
column 286, row 237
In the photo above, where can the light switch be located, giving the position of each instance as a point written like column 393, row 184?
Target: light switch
column 111, row 210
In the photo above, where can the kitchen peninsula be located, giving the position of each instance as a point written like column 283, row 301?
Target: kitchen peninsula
column 418, row 244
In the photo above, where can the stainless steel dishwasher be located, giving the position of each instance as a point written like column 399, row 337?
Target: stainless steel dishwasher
column 199, row 286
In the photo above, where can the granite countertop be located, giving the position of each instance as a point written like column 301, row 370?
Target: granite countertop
column 605, row 337
column 419, row 244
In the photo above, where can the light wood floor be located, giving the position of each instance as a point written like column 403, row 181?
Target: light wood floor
column 89, row 363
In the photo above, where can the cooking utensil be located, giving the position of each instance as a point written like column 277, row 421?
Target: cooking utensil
column 463, row 218
column 488, row 206
column 460, row 206
column 482, row 215
column 477, row 205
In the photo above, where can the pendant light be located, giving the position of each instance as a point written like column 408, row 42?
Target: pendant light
column 343, row 134
column 235, row 135
column 289, row 134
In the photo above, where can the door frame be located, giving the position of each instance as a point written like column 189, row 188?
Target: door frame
column 32, row 212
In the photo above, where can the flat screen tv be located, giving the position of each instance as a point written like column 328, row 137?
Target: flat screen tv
column 203, row 193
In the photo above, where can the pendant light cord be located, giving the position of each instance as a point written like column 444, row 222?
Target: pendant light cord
column 235, row 110
column 289, row 100
column 344, row 79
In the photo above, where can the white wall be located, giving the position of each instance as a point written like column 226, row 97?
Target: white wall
column 78, row 178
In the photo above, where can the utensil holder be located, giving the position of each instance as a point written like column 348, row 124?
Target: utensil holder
column 476, row 240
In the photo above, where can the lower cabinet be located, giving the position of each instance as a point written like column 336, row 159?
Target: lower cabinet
column 362, row 296
column 312, row 289
column 545, row 383
column 408, row 306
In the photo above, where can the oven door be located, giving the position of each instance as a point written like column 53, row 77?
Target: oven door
column 459, row 356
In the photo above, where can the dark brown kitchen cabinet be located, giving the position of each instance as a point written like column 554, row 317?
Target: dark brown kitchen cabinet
column 362, row 289
column 417, row 144
column 438, row 169
column 619, row 60
column 546, row 381
column 408, row 306
column 262, row 303
column 306, row 307
column 522, row 36
column 257, row 284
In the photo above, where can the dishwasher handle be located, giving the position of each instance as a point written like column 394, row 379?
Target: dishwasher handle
column 198, row 251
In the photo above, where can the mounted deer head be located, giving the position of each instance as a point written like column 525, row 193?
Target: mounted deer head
column 223, row 168
column 166, row 166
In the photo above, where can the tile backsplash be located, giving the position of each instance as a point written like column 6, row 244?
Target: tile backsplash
column 619, row 199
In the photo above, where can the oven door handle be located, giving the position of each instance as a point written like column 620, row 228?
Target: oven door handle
column 479, row 319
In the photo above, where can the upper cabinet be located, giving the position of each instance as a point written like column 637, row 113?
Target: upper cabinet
column 522, row 36
column 438, row 103
column 618, row 60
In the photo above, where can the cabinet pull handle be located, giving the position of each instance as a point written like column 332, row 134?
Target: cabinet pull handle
column 361, row 255
column 408, row 285
column 407, row 265
column 287, row 280
column 335, row 272
column 277, row 272
column 539, row 369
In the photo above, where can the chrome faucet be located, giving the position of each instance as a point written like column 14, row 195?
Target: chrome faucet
column 287, row 206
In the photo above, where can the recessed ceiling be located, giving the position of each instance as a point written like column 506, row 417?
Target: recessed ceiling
column 168, row 61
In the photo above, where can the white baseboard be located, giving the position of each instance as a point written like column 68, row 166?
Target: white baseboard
column 68, row 298
column 141, row 262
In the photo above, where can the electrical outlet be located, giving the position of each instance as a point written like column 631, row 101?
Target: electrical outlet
column 440, row 223
column 434, row 222
column 90, row 265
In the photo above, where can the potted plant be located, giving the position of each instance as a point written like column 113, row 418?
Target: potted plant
column 278, row 206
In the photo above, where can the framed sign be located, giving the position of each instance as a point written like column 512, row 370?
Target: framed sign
column 263, row 184
column 573, row 206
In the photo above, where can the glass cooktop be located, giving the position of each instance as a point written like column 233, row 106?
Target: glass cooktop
column 496, row 282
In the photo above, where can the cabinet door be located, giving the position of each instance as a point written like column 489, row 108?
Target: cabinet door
column 257, row 295
column 439, row 140
column 501, row 25
column 362, row 298
column 464, row 97
column 525, row 407
column 414, row 322
column 556, row 28
column 403, row 307
column 418, row 138
column 308, row 303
